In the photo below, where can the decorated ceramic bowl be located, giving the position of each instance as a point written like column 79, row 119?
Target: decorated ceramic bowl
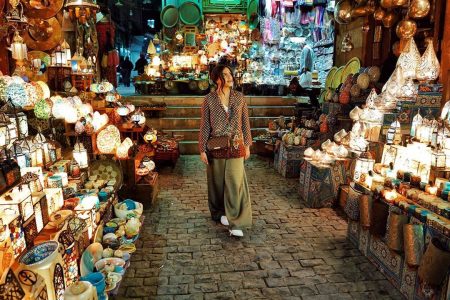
column 40, row 255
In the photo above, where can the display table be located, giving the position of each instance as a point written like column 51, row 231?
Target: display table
column 288, row 159
column 319, row 184
column 394, row 264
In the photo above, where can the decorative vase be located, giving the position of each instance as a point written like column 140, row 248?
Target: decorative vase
column 395, row 233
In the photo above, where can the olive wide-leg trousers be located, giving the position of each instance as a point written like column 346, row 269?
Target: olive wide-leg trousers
column 228, row 192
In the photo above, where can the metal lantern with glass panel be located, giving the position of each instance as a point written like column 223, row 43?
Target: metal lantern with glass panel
column 54, row 149
column 32, row 181
column 394, row 135
column 18, row 48
column 42, row 152
column 419, row 159
column 65, row 47
column 4, row 132
column 417, row 121
column 393, row 154
column 80, row 155
column 438, row 159
column 364, row 164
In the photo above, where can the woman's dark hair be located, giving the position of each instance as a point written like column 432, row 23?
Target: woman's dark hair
column 217, row 76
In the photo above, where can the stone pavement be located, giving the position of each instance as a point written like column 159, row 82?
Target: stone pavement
column 291, row 252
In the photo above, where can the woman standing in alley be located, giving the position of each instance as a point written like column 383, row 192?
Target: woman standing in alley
column 224, row 144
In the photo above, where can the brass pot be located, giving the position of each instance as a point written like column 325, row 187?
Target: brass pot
column 379, row 14
column 406, row 29
column 419, row 9
column 343, row 12
column 361, row 11
column 389, row 19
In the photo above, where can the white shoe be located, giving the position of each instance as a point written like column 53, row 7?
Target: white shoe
column 224, row 221
column 236, row 232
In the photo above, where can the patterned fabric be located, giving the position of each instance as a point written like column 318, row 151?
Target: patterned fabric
column 217, row 122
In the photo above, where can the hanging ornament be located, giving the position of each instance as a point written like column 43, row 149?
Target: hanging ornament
column 379, row 14
column 428, row 67
column 406, row 29
column 389, row 19
column 342, row 12
column 419, row 9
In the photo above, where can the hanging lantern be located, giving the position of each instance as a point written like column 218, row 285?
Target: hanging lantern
column 43, row 109
column 18, row 47
column 409, row 60
column 108, row 139
column 428, row 67
column 65, row 47
column 80, row 155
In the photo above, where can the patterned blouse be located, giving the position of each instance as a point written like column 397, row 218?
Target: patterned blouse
column 217, row 122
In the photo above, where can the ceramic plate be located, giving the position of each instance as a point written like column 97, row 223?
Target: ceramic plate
column 352, row 67
column 330, row 75
column 337, row 78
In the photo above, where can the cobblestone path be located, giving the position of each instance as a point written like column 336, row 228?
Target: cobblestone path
column 291, row 252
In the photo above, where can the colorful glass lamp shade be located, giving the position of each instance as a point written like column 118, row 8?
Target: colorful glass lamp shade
column 122, row 150
column 43, row 109
column 17, row 94
column 108, row 139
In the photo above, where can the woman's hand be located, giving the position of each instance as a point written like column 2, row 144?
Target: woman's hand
column 204, row 158
column 247, row 153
